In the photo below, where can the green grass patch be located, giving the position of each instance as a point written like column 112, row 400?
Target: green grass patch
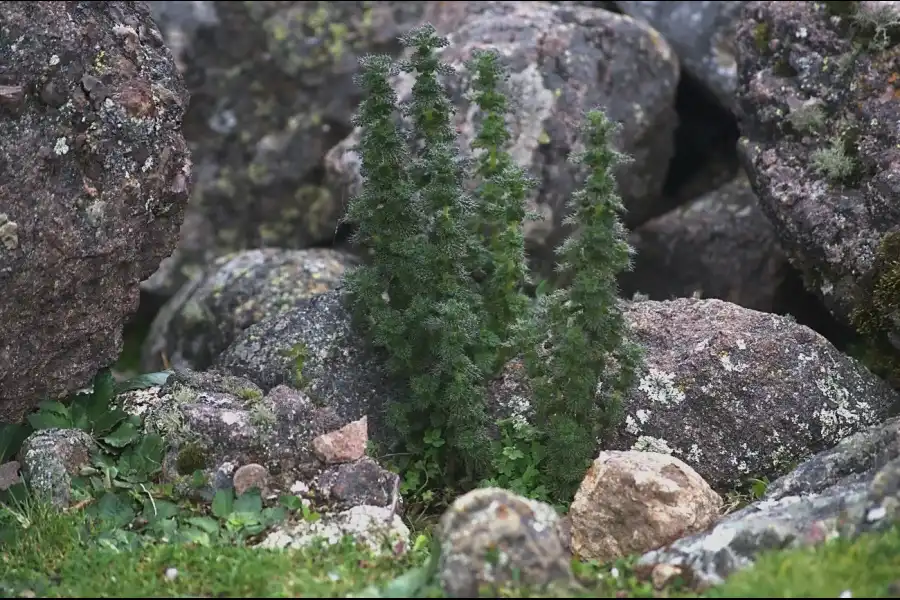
column 867, row 567
column 48, row 553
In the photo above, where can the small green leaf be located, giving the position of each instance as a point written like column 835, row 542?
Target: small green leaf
column 104, row 390
column 79, row 417
column 195, row 536
column 159, row 509
column 49, row 420
column 143, row 382
column 206, row 524
column 52, row 406
column 123, row 435
column 112, row 511
column 223, row 503
column 248, row 502
column 291, row 502
column 273, row 515
column 11, row 437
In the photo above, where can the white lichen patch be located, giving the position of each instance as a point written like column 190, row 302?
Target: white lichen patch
column 61, row 147
column 137, row 402
column 634, row 423
column 647, row 443
column 660, row 388
column 841, row 416
column 729, row 365
column 366, row 524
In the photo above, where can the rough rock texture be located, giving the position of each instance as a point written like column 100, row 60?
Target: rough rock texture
column 733, row 392
column 719, row 246
column 361, row 482
column 9, row 475
column 739, row 538
column 701, row 34
column 251, row 476
column 807, row 102
column 236, row 291
column 850, row 461
column 49, row 458
column 94, row 178
column 562, row 60
column 846, row 490
column 342, row 445
column 273, row 91
column 216, row 422
column 314, row 348
column 521, row 533
column 634, row 502
column 376, row 527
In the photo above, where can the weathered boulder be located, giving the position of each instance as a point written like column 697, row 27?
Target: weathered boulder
column 234, row 292
column 314, row 348
column 94, row 178
column 634, row 502
column 273, row 90
column 733, row 392
column 491, row 537
column 718, row 246
column 51, row 458
column 701, row 34
column 563, row 60
column 846, row 490
column 818, row 111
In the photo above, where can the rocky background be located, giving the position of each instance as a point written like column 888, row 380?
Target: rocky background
column 762, row 202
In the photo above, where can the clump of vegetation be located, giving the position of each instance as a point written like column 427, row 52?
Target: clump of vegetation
column 417, row 299
column 504, row 187
column 877, row 27
column 583, row 361
column 809, row 117
column 443, row 296
column 834, row 161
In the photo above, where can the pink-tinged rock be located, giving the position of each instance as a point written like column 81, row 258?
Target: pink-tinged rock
column 343, row 445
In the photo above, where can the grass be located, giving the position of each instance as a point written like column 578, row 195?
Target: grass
column 867, row 567
column 48, row 553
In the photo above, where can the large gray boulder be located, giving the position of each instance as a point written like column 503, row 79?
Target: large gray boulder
column 817, row 104
column 94, row 178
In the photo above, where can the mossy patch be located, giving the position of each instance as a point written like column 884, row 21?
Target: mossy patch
column 192, row 456
column 877, row 313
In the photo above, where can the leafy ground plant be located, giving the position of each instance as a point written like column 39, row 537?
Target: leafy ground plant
column 50, row 553
column 92, row 411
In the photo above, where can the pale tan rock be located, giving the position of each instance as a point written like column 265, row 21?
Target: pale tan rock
column 662, row 575
column 633, row 502
column 343, row 445
column 251, row 476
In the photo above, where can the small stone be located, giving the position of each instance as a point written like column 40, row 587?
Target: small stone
column 343, row 445
column 251, row 476
column 662, row 575
column 632, row 502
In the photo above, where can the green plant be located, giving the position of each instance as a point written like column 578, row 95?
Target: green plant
column 877, row 26
column 808, row 117
column 443, row 295
column 503, row 189
column 579, row 358
column 834, row 162
column 519, row 459
column 91, row 411
column 417, row 299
